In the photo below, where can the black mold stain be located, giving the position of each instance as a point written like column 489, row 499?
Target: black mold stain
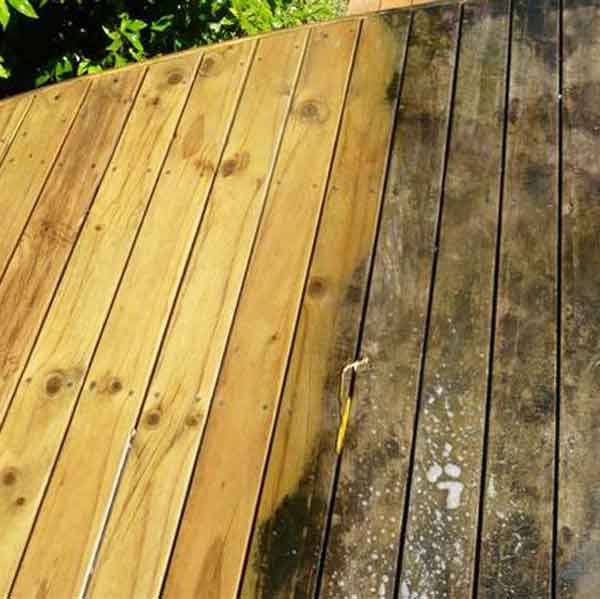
column 391, row 92
column 283, row 546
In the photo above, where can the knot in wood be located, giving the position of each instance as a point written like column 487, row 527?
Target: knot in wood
column 313, row 111
column 115, row 386
column 9, row 477
column 208, row 67
column 238, row 163
column 54, row 383
column 152, row 418
column 316, row 288
column 175, row 78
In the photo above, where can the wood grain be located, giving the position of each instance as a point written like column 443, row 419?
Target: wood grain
column 123, row 361
column 27, row 290
column 29, row 161
column 578, row 551
column 65, row 347
column 438, row 558
column 292, row 515
column 216, row 525
column 136, row 547
column 12, row 114
column 369, row 501
column 516, row 556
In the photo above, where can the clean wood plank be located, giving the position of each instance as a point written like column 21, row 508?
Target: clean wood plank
column 135, row 548
column 29, row 161
column 516, row 555
column 578, row 551
column 65, row 346
column 66, row 533
column 357, row 7
column 216, row 525
column 441, row 533
column 389, row 4
column 370, row 495
column 288, row 538
column 12, row 114
column 29, row 284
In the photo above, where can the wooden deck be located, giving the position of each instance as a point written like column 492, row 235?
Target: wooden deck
column 193, row 249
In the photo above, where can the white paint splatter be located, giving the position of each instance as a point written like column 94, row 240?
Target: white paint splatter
column 452, row 470
column 404, row 592
column 491, row 488
column 455, row 490
column 434, row 473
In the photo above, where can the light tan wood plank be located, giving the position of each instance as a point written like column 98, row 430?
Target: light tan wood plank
column 441, row 534
column 27, row 289
column 292, row 515
column 65, row 536
column 358, row 7
column 12, row 113
column 216, row 525
column 390, row 4
column 64, row 349
column 578, row 533
column 22, row 176
column 516, row 555
column 369, row 503
column 135, row 548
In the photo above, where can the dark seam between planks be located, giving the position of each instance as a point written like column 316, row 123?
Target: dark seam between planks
column 10, row 142
column 364, row 307
column 494, row 305
column 242, row 287
column 185, row 102
column 56, row 288
column 40, row 193
column 286, row 119
column 426, row 327
column 359, row 25
column 193, row 80
column 557, row 403
column 19, row 378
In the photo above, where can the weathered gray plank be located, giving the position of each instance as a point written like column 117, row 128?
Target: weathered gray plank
column 516, row 557
column 440, row 541
column 578, row 551
column 362, row 554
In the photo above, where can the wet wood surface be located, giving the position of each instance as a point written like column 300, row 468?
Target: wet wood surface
column 194, row 248
column 578, row 526
column 518, row 490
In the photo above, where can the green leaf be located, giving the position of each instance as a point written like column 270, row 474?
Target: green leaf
column 4, row 72
column 24, row 7
column 4, row 14
column 42, row 78
column 162, row 24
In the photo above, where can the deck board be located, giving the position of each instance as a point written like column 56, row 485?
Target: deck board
column 578, row 526
column 123, row 362
column 517, row 540
column 441, row 530
column 369, row 504
column 92, row 278
column 210, row 549
column 158, row 471
column 288, row 536
column 193, row 249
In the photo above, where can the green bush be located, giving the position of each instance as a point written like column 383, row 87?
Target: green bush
column 50, row 40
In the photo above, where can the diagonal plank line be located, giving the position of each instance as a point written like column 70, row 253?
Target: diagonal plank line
column 426, row 328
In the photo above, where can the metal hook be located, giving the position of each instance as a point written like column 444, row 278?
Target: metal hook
column 345, row 399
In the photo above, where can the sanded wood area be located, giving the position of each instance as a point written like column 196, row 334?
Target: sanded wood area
column 193, row 249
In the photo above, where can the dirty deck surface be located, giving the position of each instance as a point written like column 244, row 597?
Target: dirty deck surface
column 193, row 249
